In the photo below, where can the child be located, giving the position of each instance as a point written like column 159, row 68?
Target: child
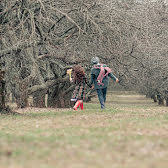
column 80, row 85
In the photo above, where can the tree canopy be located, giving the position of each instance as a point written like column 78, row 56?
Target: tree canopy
column 41, row 39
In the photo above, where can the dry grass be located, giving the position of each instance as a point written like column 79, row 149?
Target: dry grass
column 130, row 133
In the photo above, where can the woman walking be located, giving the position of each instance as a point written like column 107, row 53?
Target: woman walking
column 78, row 75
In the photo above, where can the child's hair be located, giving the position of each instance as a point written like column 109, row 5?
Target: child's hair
column 78, row 73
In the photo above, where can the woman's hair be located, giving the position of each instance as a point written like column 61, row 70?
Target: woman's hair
column 78, row 73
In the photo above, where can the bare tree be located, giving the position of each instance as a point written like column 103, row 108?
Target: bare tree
column 41, row 39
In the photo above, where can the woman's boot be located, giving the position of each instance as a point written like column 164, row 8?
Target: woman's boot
column 81, row 105
column 76, row 105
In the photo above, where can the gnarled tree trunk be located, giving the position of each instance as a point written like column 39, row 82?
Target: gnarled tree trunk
column 57, row 99
column 39, row 99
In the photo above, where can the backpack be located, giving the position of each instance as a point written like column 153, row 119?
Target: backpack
column 104, row 71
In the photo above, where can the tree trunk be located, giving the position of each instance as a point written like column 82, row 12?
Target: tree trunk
column 21, row 94
column 57, row 99
column 13, row 98
column 2, row 91
column 39, row 99
column 160, row 100
column 154, row 98
column 167, row 101
column 22, row 100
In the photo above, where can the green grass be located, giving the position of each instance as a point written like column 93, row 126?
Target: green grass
column 130, row 133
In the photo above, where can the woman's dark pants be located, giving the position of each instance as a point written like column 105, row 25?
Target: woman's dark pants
column 102, row 96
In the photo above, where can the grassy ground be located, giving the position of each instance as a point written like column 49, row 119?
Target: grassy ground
column 132, row 132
